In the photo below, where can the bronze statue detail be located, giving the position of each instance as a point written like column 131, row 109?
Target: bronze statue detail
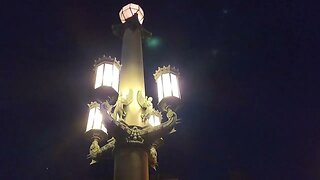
column 146, row 105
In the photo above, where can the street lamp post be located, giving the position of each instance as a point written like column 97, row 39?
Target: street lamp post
column 122, row 112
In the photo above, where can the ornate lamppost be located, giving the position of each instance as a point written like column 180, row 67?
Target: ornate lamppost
column 121, row 113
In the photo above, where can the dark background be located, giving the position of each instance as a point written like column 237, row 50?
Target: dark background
column 249, row 83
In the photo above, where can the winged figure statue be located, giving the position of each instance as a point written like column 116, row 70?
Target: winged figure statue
column 146, row 104
column 119, row 110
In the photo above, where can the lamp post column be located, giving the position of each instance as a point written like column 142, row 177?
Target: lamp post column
column 132, row 75
column 131, row 160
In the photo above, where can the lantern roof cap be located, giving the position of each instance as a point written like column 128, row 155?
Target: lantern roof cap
column 165, row 69
column 107, row 59
column 93, row 105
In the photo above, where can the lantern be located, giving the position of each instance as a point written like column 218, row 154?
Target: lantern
column 95, row 125
column 168, row 86
column 107, row 71
column 155, row 118
column 129, row 10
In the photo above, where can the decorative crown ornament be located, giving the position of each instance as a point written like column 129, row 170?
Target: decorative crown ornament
column 166, row 69
column 105, row 59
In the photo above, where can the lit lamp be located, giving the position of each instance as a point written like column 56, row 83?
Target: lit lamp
column 95, row 126
column 129, row 10
column 107, row 72
column 168, row 87
column 155, row 118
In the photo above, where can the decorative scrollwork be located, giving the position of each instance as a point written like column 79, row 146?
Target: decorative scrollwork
column 135, row 136
column 95, row 151
column 109, row 146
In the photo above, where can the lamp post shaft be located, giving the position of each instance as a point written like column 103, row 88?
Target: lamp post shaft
column 132, row 75
column 131, row 160
column 131, row 163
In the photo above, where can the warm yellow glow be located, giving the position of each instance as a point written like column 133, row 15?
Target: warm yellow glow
column 129, row 10
column 160, row 91
column 99, row 76
column 154, row 120
column 175, row 85
column 107, row 75
column 115, row 78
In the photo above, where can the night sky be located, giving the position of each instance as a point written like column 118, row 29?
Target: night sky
column 249, row 85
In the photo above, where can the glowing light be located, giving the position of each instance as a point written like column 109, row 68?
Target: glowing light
column 160, row 87
column 154, row 120
column 174, row 85
column 129, row 10
column 167, row 85
column 95, row 118
column 107, row 75
column 99, row 76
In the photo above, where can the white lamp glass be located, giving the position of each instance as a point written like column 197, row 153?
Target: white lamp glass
column 95, row 119
column 174, row 85
column 160, row 87
column 107, row 75
column 167, row 85
column 99, row 76
column 154, row 120
column 129, row 10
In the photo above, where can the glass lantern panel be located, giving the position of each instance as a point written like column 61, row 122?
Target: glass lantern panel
column 154, row 120
column 107, row 75
column 121, row 17
column 99, row 76
column 166, row 85
column 97, row 124
column 175, row 86
column 127, row 12
column 134, row 7
column 160, row 89
column 90, row 119
column 115, row 78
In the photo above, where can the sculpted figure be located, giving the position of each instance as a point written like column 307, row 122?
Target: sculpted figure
column 146, row 105
column 153, row 157
column 119, row 110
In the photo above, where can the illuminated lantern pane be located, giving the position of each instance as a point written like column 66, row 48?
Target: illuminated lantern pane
column 155, row 118
column 99, row 76
column 168, row 86
column 95, row 120
column 160, row 89
column 107, row 74
column 129, row 10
